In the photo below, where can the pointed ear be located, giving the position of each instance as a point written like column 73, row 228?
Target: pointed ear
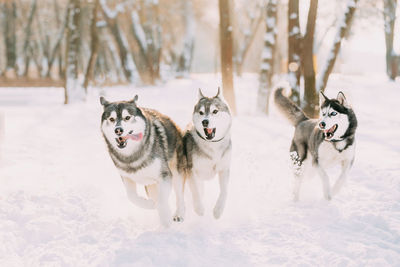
column 200, row 94
column 342, row 99
column 134, row 100
column 322, row 98
column 218, row 93
column 103, row 101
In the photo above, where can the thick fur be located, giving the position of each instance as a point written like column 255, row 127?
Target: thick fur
column 315, row 146
column 209, row 155
column 153, row 158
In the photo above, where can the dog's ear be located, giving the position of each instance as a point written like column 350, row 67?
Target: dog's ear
column 322, row 98
column 103, row 101
column 200, row 94
column 218, row 95
column 342, row 99
column 134, row 100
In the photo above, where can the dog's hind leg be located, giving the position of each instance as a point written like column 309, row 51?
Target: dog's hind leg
column 130, row 187
column 151, row 191
column 178, row 183
column 223, row 187
column 342, row 178
column 194, row 187
column 297, row 158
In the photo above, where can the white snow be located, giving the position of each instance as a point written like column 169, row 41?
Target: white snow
column 63, row 203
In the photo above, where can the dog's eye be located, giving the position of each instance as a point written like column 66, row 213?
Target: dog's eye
column 112, row 119
column 127, row 118
column 334, row 113
column 201, row 112
column 215, row 111
column 323, row 114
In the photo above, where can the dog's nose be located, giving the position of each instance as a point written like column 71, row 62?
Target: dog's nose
column 119, row 130
column 205, row 123
column 322, row 125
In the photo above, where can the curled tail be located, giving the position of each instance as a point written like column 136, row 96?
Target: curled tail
column 294, row 114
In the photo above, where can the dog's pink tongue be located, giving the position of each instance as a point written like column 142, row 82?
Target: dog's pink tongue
column 209, row 130
column 135, row 137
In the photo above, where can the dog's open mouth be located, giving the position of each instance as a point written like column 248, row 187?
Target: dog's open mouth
column 123, row 140
column 210, row 133
column 330, row 132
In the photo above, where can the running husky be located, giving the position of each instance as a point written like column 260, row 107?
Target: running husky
column 323, row 143
column 208, row 149
column 146, row 147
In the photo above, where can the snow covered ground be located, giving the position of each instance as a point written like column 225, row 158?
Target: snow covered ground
column 62, row 202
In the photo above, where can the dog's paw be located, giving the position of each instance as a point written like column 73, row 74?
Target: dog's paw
column 199, row 209
column 177, row 218
column 218, row 211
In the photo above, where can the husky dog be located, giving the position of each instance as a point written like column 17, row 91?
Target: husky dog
column 208, row 149
column 321, row 144
column 146, row 147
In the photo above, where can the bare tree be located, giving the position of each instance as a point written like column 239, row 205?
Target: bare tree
column 294, row 41
column 94, row 46
column 389, row 15
column 311, row 99
column 343, row 28
column 267, row 64
column 226, row 44
column 185, row 59
column 73, row 90
column 10, row 29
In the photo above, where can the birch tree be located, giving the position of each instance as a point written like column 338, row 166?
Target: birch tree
column 267, row 64
column 226, row 45
column 10, row 37
column 343, row 28
column 389, row 15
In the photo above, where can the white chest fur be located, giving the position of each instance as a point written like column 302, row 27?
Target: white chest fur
column 216, row 158
column 146, row 175
column 329, row 156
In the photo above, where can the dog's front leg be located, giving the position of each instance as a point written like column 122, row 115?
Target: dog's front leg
column 223, row 187
column 178, row 182
column 194, row 187
column 342, row 178
column 325, row 183
column 130, row 187
column 164, row 189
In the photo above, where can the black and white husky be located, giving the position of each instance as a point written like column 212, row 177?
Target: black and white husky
column 208, row 149
column 321, row 144
column 146, row 147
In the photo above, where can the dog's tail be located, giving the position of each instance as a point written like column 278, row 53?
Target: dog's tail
column 294, row 114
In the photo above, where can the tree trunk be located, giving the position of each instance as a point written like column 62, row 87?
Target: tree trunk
column 73, row 90
column 311, row 98
column 267, row 65
column 185, row 59
column 344, row 24
column 226, row 44
column 389, row 15
column 10, row 30
column 94, row 46
column 122, row 44
column 294, row 45
column 28, row 33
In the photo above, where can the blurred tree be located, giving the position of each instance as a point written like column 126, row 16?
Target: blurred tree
column 73, row 90
column 267, row 65
column 343, row 28
column 226, row 45
column 294, row 50
column 94, row 46
column 9, row 8
column 392, row 60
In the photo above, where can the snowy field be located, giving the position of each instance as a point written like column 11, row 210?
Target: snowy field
column 62, row 202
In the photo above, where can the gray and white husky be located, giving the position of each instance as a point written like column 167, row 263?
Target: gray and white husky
column 320, row 144
column 208, row 149
column 146, row 147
